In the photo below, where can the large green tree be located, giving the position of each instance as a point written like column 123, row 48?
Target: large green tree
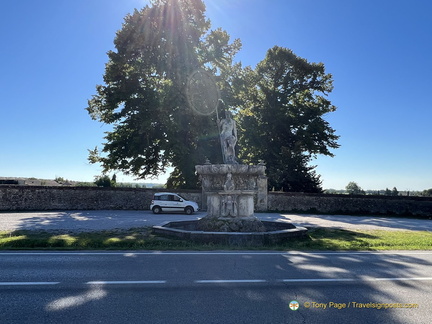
column 283, row 121
column 279, row 106
column 144, row 95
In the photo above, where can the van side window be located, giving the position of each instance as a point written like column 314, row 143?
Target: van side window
column 176, row 198
column 165, row 197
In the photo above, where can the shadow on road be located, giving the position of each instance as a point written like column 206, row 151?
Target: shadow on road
column 180, row 302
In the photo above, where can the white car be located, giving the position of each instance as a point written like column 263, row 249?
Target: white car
column 171, row 202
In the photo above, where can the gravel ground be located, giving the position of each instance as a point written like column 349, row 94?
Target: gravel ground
column 95, row 220
column 353, row 222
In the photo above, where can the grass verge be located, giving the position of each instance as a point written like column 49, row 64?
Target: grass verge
column 372, row 240
column 142, row 239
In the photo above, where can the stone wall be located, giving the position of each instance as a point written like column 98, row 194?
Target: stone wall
column 346, row 204
column 22, row 198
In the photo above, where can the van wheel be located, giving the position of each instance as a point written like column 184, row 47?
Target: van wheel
column 189, row 210
column 157, row 210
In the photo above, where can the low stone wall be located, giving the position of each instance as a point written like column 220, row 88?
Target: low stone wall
column 346, row 204
column 26, row 198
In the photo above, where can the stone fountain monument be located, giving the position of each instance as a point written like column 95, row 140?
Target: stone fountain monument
column 231, row 189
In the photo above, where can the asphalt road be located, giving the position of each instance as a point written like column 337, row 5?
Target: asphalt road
column 91, row 220
column 215, row 287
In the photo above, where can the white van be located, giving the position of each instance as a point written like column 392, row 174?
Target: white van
column 171, row 202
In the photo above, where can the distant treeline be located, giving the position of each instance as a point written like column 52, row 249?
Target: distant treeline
column 384, row 192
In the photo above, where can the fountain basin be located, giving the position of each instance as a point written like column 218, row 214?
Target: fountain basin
column 276, row 232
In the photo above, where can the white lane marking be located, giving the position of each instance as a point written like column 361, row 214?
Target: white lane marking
column 356, row 279
column 317, row 280
column 219, row 281
column 29, row 283
column 398, row 279
column 128, row 253
column 126, row 282
column 230, row 281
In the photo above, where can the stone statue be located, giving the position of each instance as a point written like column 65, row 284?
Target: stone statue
column 229, row 183
column 229, row 206
column 228, row 136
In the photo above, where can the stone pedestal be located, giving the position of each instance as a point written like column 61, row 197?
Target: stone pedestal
column 245, row 177
column 229, row 191
column 236, row 203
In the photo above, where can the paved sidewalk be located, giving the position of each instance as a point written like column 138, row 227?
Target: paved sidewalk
column 94, row 220
column 87, row 220
column 352, row 222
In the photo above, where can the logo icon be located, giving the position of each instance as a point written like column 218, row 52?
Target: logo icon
column 294, row 305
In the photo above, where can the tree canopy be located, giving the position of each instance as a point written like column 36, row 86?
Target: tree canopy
column 282, row 121
column 279, row 106
column 144, row 95
column 354, row 189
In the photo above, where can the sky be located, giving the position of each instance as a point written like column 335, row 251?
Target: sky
column 53, row 54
